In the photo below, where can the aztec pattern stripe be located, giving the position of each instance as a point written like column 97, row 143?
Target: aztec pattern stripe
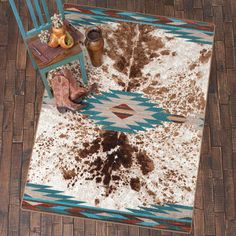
column 45, row 198
column 124, row 111
column 192, row 31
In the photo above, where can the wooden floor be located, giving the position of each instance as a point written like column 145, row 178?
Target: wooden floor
column 20, row 96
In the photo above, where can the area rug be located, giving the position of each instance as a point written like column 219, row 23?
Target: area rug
column 132, row 155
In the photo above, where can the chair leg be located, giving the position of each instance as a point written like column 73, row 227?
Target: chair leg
column 46, row 85
column 83, row 69
column 31, row 57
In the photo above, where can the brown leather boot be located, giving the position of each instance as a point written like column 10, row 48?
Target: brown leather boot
column 77, row 93
column 61, row 90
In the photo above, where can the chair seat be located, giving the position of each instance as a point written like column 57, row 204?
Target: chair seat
column 66, row 53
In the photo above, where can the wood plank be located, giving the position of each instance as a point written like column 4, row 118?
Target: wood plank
column 29, row 115
column 140, row 8
column 21, row 54
column 133, row 231
column 150, row 6
column 219, row 197
column 206, row 140
column 220, row 224
column 198, row 14
column 166, row 233
column 12, row 41
column 3, row 53
column 90, row 227
column 220, row 55
column 79, row 227
column 198, row 203
column 213, row 75
column 2, row 85
column 5, row 163
column 112, row 229
column 101, row 228
column 207, row 10
column 20, row 83
column 226, row 140
column 4, row 24
column 234, row 140
column 188, row 8
column 217, row 2
column 197, row 4
column 233, row 109
column 28, row 138
column 230, row 210
column 101, row 3
column 208, row 196
column 91, row 2
column 13, row 226
column 227, row 11
column 198, row 222
column 223, row 91
column 18, row 122
column 230, row 228
column 216, row 157
column 1, row 124
column 121, row 4
column 123, row 230
column 67, row 225
column 229, row 35
column 10, row 81
column 214, row 119
column 46, row 225
column 229, row 57
column 131, row 5
column 57, row 226
column 155, row 233
column 35, row 228
column 24, row 223
column 225, row 116
column 145, row 232
column 15, row 183
column 8, row 117
column 111, row 4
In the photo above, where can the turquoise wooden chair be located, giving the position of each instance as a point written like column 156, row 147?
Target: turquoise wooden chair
column 39, row 13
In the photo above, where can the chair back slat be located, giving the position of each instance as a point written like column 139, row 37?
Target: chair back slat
column 45, row 8
column 60, row 8
column 39, row 12
column 32, row 14
column 38, row 9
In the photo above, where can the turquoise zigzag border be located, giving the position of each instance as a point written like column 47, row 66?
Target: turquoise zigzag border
column 69, row 201
column 180, row 32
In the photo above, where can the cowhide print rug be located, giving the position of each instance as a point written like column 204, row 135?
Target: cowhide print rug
column 119, row 170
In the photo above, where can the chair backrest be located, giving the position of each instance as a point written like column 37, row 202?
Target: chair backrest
column 39, row 13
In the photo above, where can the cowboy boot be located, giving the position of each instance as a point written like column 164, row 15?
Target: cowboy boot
column 61, row 90
column 84, row 92
column 75, row 90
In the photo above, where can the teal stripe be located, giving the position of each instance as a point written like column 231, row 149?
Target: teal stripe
column 45, row 8
column 37, row 6
column 81, row 205
column 114, row 19
column 60, row 8
column 31, row 10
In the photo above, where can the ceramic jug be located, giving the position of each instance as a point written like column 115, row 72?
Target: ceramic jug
column 95, row 44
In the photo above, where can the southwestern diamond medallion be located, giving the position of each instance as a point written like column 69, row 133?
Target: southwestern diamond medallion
column 123, row 111
column 126, row 112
